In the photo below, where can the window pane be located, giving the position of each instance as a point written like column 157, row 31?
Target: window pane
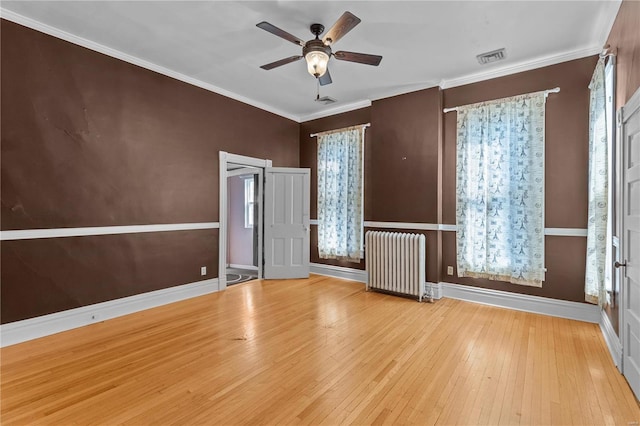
column 249, row 200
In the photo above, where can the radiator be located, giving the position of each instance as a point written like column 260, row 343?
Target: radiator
column 395, row 263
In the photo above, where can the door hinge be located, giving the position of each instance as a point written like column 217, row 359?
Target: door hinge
column 619, row 118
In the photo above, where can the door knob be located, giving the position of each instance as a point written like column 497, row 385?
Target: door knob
column 618, row 264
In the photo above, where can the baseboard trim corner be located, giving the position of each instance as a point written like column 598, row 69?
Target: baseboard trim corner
column 523, row 302
column 611, row 339
column 436, row 290
column 33, row 328
column 351, row 274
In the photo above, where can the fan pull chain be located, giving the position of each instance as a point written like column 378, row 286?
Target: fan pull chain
column 318, row 89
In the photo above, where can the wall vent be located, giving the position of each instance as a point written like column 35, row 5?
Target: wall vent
column 494, row 55
column 326, row 100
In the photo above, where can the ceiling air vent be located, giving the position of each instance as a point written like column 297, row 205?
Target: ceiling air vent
column 494, row 55
column 325, row 100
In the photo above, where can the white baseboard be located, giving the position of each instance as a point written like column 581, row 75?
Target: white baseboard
column 523, row 302
column 351, row 274
column 33, row 328
column 436, row 290
column 504, row 299
column 359, row 275
column 611, row 339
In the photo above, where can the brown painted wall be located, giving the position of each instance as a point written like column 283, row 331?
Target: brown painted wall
column 624, row 39
column 401, row 163
column 566, row 170
column 567, row 136
column 40, row 277
column 401, row 173
column 404, row 169
column 89, row 140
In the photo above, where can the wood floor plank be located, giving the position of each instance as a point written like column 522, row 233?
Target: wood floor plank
column 317, row 351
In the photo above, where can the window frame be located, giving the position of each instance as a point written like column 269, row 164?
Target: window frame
column 249, row 202
column 611, row 118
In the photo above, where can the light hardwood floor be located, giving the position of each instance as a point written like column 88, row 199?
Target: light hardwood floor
column 319, row 351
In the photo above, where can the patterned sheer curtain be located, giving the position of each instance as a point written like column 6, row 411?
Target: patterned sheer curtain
column 598, row 189
column 340, row 215
column 500, row 190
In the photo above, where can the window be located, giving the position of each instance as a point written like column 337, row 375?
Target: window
column 249, row 202
column 500, row 190
column 610, row 111
column 598, row 282
column 340, row 194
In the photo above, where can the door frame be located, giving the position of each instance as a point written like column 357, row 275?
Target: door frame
column 257, row 173
column 226, row 158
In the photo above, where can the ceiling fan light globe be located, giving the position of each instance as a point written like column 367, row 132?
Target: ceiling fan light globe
column 317, row 62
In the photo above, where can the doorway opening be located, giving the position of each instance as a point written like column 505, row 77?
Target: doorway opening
column 233, row 165
column 280, row 214
column 244, row 201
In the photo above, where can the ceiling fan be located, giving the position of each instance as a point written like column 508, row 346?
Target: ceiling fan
column 317, row 52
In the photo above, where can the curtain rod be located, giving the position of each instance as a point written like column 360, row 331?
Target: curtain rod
column 607, row 51
column 364, row 126
column 546, row 93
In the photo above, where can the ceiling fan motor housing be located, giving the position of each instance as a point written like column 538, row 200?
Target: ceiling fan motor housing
column 316, row 45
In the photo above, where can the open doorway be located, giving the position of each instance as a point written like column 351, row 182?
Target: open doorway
column 283, row 229
column 244, row 200
column 239, row 165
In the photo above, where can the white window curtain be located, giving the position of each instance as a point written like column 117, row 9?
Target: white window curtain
column 340, row 217
column 597, row 239
column 500, row 190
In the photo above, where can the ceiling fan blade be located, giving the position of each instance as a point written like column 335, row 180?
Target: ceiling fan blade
column 343, row 25
column 280, row 33
column 325, row 79
column 361, row 58
column 281, row 62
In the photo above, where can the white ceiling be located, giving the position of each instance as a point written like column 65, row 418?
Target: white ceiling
column 217, row 45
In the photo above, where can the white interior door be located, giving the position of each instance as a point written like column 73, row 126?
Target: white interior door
column 630, row 242
column 286, row 222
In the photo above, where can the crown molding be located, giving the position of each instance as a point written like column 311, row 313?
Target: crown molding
column 114, row 53
column 468, row 79
column 409, row 88
column 603, row 26
column 337, row 110
column 366, row 103
column 523, row 66
column 602, row 30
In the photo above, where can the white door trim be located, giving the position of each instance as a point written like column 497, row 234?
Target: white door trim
column 225, row 158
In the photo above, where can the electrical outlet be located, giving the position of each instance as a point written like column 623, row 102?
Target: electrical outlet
column 203, row 271
column 450, row 270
